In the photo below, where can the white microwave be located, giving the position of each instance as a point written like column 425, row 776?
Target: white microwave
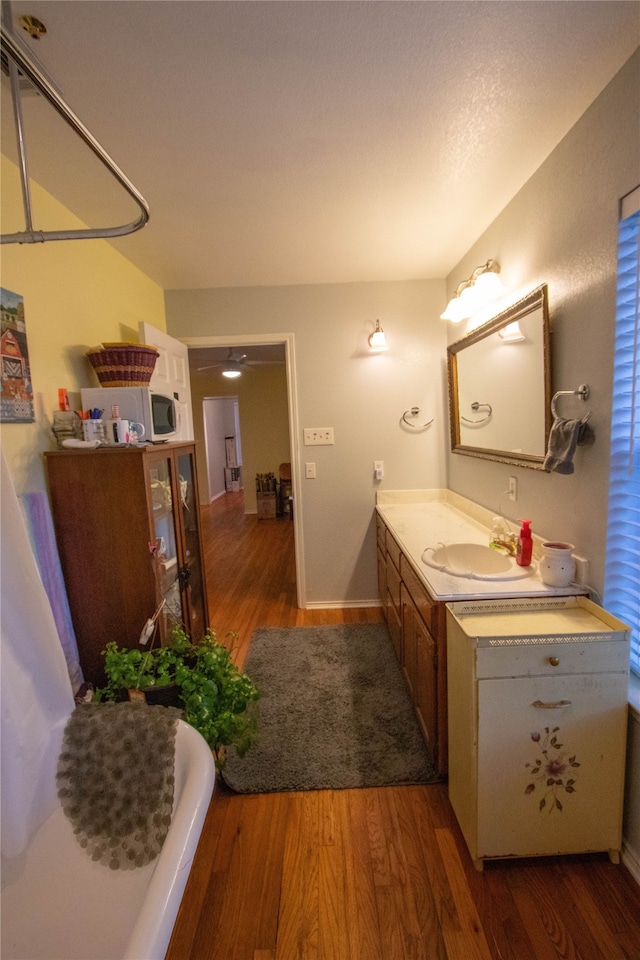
column 157, row 412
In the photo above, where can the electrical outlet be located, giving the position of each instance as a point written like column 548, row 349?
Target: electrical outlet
column 582, row 569
column 318, row 436
column 513, row 488
column 378, row 469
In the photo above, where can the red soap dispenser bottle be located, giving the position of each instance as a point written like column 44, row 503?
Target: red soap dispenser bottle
column 525, row 544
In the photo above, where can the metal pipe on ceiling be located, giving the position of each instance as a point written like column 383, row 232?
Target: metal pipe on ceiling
column 19, row 62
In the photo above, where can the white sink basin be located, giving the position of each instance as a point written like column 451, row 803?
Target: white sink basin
column 474, row 561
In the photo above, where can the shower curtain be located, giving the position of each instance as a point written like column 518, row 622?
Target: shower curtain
column 35, row 690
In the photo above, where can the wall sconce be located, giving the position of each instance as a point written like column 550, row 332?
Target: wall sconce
column 377, row 340
column 483, row 285
column 511, row 333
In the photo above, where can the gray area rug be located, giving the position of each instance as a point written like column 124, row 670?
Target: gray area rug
column 334, row 713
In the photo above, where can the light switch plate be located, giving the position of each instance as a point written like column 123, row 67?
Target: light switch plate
column 318, row 436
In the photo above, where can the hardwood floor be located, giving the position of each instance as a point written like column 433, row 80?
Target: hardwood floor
column 374, row 874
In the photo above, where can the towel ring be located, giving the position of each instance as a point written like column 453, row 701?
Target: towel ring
column 476, row 406
column 414, row 413
column 583, row 392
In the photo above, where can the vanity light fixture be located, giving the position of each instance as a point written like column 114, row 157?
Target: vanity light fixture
column 377, row 340
column 483, row 285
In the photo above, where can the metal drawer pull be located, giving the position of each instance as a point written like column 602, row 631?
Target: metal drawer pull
column 551, row 706
column 554, row 661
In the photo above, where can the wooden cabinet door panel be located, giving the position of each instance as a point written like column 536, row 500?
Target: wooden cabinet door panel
column 425, row 690
column 408, row 639
column 550, row 769
column 394, row 626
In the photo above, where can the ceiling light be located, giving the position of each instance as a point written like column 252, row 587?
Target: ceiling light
column 231, row 370
column 483, row 285
column 377, row 340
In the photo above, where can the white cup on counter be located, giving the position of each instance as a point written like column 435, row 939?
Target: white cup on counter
column 124, row 431
column 93, row 430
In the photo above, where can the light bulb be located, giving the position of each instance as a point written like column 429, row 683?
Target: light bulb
column 377, row 340
column 489, row 286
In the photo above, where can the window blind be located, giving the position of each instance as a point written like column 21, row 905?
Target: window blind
column 622, row 571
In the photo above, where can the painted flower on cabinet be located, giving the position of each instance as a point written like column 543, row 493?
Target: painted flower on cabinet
column 552, row 772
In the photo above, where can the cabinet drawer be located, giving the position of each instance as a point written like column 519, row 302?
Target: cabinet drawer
column 393, row 585
column 393, row 550
column 380, row 533
column 548, row 659
column 382, row 576
column 425, row 604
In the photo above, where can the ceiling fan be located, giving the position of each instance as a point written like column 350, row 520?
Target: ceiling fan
column 235, row 364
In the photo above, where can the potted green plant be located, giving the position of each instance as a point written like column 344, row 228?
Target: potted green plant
column 200, row 678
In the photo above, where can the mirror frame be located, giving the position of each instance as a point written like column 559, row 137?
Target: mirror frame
column 533, row 301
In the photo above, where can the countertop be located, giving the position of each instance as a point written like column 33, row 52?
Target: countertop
column 422, row 518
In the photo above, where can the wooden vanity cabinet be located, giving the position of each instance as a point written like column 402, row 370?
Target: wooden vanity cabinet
column 127, row 525
column 416, row 624
column 424, row 643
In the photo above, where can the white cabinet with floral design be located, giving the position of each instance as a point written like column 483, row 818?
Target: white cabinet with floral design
column 537, row 726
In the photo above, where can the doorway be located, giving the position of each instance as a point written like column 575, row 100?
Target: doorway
column 223, row 445
column 196, row 346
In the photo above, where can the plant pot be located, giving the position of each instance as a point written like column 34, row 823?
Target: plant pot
column 168, row 696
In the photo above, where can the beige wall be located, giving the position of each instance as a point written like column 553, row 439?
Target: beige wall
column 561, row 229
column 264, row 424
column 340, row 384
column 76, row 294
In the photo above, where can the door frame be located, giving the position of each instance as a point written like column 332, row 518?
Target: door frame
column 288, row 341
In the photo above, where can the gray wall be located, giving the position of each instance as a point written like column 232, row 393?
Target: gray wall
column 561, row 229
column 340, row 384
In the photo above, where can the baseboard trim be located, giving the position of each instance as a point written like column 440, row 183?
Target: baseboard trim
column 342, row 604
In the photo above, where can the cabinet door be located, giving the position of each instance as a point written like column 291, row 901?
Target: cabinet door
column 408, row 640
column 425, row 692
column 166, row 538
column 191, row 571
column 394, row 609
column 420, row 669
column 550, row 764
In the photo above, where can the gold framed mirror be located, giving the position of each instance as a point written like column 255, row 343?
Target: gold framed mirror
column 500, row 385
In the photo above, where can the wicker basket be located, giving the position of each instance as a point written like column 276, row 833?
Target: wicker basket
column 123, row 364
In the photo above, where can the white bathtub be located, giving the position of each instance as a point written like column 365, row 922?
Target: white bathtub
column 57, row 904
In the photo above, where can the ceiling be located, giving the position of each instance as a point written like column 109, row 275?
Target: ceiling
column 311, row 142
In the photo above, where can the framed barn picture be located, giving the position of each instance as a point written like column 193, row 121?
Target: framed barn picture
column 16, row 398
